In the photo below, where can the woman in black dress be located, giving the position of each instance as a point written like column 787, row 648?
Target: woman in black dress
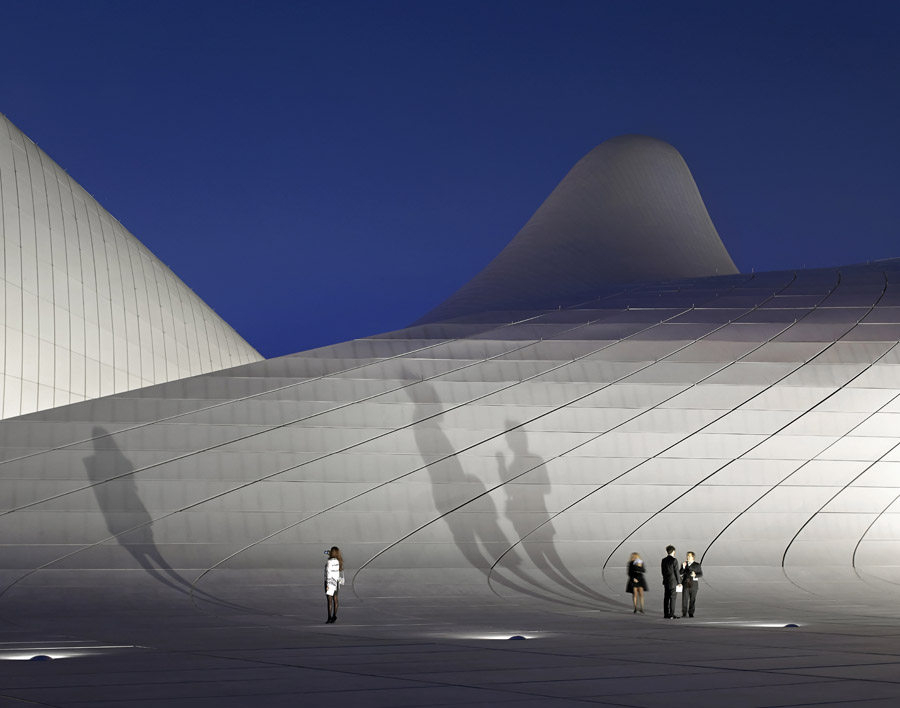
column 636, row 582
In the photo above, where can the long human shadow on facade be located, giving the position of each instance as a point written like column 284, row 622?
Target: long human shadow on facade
column 113, row 482
column 126, row 516
column 452, row 488
column 526, row 509
column 114, row 485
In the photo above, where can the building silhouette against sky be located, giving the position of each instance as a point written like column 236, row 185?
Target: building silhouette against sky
column 609, row 383
column 88, row 310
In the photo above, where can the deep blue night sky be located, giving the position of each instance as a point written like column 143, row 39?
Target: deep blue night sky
column 322, row 171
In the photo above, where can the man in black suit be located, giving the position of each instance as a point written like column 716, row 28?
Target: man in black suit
column 671, row 576
column 690, row 583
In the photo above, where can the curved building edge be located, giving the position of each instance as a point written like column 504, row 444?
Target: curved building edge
column 628, row 211
column 87, row 310
column 748, row 418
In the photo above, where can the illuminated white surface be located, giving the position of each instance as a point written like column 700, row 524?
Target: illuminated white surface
column 486, row 463
column 85, row 309
column 490, row 473
column 64, row 651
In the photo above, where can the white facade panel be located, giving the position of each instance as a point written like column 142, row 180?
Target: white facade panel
column 416, row 452
column 66, row 263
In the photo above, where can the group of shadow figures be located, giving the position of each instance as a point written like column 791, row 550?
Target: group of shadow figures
column 534, row 569
column 545, row 574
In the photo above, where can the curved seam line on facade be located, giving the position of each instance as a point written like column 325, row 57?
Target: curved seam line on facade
column 824, row 348
column 550, row 412
column 656, row 407
column 243, row 486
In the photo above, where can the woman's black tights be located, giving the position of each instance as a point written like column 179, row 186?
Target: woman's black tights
column 332, row 601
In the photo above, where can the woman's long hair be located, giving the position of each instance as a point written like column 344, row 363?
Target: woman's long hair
column 335, row 552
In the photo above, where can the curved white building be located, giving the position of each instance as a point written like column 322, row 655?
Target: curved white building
column 629, row 210
column 85, row 309
column 505, row 453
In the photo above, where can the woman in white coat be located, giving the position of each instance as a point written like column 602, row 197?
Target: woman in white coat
column 334, row 578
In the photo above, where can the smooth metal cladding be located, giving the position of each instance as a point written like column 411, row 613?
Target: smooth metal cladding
column 751, row 418
column 85, row 309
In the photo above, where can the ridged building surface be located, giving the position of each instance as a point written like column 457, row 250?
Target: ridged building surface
column 509, row 454
column 85, row 309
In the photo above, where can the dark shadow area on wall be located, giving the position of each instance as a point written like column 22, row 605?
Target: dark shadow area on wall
column 114, row 486
column 526, row 509
column 478, row 535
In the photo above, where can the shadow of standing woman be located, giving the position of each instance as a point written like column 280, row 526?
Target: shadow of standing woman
column 112, row 480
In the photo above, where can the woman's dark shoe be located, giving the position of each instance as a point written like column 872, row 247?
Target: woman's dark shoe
column 330, row 619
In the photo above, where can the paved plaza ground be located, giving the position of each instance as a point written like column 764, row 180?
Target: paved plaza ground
column 411, row 652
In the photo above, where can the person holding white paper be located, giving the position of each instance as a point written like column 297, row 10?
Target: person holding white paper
column 690, row 583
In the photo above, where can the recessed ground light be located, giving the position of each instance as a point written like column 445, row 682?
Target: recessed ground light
column 20, row 651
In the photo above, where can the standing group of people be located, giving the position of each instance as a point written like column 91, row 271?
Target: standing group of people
column 677, row 578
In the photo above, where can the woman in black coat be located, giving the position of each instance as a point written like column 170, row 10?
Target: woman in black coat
column 636, row 583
